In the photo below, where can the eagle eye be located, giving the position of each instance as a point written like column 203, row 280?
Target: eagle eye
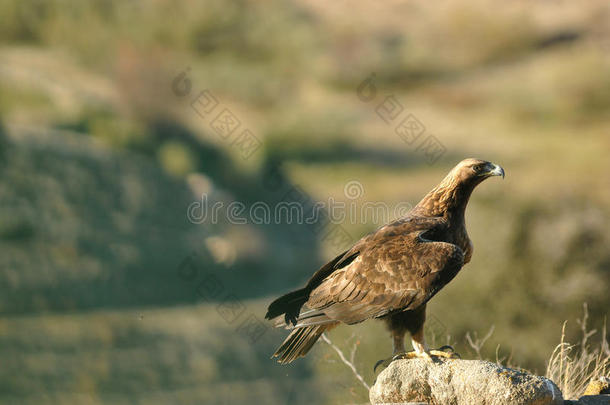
column 479, row 167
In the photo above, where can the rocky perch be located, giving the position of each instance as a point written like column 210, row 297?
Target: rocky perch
column 457, row 382
column 473, row 382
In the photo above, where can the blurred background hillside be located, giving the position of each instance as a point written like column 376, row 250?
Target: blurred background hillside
column 110, row 294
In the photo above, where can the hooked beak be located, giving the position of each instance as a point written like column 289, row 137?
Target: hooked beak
column 495, row 170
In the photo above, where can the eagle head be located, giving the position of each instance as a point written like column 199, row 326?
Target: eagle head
column 453, row 192
column 473, row 171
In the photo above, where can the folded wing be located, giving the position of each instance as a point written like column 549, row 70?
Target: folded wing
column 399, row 272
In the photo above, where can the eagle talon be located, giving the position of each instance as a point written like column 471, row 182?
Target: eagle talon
column 398, row 356
column 446, row 352
column 384, row 362
column 406, row 356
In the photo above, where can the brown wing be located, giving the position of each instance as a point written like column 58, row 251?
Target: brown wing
column 396, row 269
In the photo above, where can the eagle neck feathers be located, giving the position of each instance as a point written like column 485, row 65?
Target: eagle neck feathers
column 448, row 200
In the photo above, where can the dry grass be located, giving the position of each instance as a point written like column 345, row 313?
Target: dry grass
column 477, row 343
column 573, row 366
column 349, row 363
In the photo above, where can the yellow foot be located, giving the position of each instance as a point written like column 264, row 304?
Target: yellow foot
column 446, row 352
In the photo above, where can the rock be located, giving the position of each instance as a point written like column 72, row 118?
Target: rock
column 598, row 386
column 596, row 393
column 461, row 382
column 594, row 400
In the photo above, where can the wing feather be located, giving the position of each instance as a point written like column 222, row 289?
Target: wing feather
column 393, row 271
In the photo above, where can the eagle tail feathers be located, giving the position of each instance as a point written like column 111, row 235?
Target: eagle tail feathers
column 299, row 342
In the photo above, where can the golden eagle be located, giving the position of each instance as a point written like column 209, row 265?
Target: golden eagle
column 389, row 274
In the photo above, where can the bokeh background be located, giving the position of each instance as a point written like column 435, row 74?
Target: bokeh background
column 109, row 294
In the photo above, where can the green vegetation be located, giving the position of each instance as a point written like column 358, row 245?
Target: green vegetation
column 108, row 294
